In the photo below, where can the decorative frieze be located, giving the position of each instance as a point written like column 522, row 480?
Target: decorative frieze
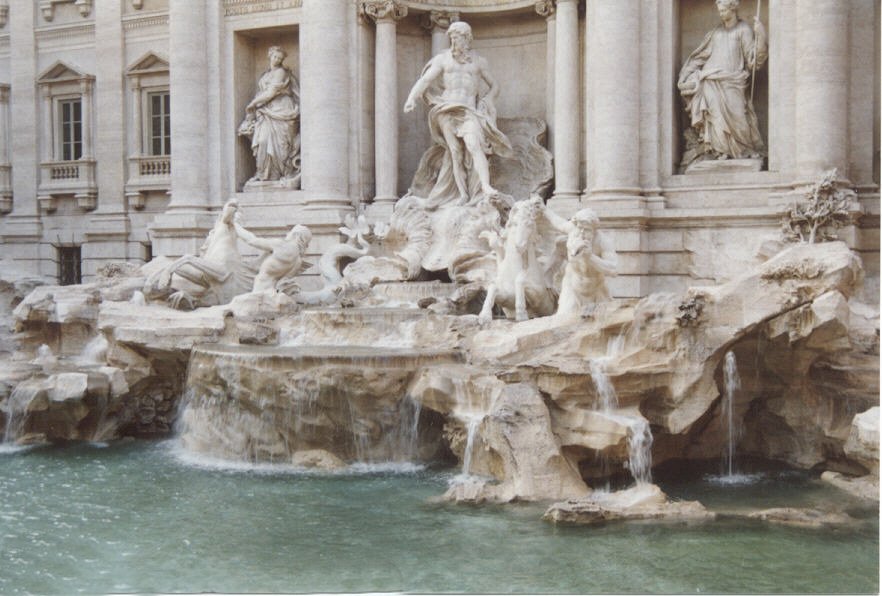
column 380, row 10
column 145, row 21
column 234, row 8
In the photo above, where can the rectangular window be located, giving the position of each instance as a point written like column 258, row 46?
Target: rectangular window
column 71, row 114
column 160, row 123
column 70, row 265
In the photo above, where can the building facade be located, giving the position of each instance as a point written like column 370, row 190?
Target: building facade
column 119, row 122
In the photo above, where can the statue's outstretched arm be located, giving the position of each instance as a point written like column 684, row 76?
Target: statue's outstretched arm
column 432, row 71
column 252, row 239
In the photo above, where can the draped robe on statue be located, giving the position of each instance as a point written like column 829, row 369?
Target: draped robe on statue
column 434, row 179
column 276, row 140
column 713, row 83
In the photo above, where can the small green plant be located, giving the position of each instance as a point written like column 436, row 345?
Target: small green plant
column 827, row 207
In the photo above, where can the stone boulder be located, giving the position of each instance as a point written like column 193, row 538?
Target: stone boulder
column 641, row 502
column 67, row 406
column 523, row 454
column 862, row 444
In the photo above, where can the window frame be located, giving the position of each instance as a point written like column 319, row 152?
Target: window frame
column 59, row 127
column 147, row 116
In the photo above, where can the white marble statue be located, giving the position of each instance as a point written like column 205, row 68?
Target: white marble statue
column 213, row 276
column 591, row 258
column 283, row 258
column 460, row 92
column 716, row 84
column 528, row 260
column 271, row 122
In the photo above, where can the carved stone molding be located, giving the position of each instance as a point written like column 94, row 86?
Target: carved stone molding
column 381, row 10
column 234, row 8
column 137, row 4
column 47, row 7
column 4, row 13
column 545, row 8
column 440, row 19
column 145, row 21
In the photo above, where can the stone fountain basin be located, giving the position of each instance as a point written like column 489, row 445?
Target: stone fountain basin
column 271, row 403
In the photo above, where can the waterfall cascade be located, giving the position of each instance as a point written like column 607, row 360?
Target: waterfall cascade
column 731, row 385
column 94, row 352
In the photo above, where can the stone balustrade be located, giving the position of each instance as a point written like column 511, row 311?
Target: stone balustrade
column 67, row 177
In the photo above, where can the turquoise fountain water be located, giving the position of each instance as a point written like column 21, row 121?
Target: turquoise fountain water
column 141, row 517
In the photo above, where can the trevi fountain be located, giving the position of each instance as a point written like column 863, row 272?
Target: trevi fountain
column 450, row 395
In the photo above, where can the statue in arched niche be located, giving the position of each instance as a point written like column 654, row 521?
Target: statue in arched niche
column 714, row 83
column 272, row 124
column 462, row 121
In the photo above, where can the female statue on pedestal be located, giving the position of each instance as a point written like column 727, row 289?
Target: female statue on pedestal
column 713, row 82
column 271, row 121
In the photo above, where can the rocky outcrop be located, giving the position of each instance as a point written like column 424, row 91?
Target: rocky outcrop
column 642, row 502
column 527, row 409
column 66, row 406
column 802, row 518
column 862, row 444
column 521, row 453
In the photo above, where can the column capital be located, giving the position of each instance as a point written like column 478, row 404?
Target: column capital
column 440, row 19
column 545, row 8
column 382, row 10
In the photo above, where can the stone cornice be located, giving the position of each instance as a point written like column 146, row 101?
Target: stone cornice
column 234, row 8
column 65, row 31
column 150, row 19
column 382, row 10
column 466, row 6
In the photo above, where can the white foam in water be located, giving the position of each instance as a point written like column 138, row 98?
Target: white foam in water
column 207, row 462
column 10, row 448
column 734, row 479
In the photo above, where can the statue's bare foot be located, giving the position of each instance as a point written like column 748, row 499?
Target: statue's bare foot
column 181, row 300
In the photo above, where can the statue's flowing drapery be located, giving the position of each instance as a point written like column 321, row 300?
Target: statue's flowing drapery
column 713, row 82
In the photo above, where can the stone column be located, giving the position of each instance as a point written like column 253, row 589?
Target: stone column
column 545, row 8
column 47, row 116
column 613, row 49
column 324, row 102
column 437, row 22
column 4, row 123
column 566, row 107
column 22, row 229
column 822, row 75
column 108, row 233
column 188, row 87
column 385, row 13
column 86, row 90
column 5, row 173
column 136, row 146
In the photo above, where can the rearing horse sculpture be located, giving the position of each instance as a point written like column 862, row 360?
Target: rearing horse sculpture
column 528, row 255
